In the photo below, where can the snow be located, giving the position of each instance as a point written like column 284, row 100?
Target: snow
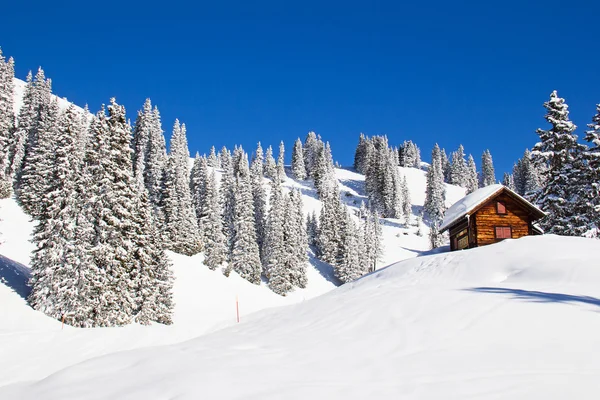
column 468, row 203
column 513, row 320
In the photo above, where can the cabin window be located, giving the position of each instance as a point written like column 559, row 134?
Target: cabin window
column 503, row 232
column 500, row 208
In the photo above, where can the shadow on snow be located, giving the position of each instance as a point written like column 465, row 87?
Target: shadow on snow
column 15, row 275
column 538, row 297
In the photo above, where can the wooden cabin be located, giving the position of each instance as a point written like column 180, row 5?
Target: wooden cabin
column 489, row 215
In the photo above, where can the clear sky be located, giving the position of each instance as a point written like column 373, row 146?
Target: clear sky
column 450, row 72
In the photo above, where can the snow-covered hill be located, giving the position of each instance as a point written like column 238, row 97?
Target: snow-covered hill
column 515, row 320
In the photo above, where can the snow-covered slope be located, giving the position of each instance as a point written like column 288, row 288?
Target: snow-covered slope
column 515, row 320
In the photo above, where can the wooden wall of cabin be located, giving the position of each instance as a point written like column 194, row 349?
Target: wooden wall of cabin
column 487, row 219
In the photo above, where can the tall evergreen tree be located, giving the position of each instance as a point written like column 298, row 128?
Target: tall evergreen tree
column 348, row 266
column 260, row 202
column 592, row 175
column 472, row 179
column 406, row 201
column 298, row 167
column 281, row 162
column 274, row 250
column 508, row 180
column 212, row 158
column 34, row 178
column 258, row 161
column 445, row 166
column 60, row 266
column 312, row 145
column 458, row 168
column 198, row 188
column 245, row 256
column 180, row 224
column 214, row 240
column 270, row 165
column 435, row 192
column 7, row 119
column 488, row 176
column 559, row 152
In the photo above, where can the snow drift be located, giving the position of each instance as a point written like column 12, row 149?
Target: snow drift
column 517, row 320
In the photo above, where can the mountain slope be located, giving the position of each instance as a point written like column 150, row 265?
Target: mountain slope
column 514, row 320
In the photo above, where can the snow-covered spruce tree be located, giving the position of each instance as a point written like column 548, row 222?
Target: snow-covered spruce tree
column 245, row 256
column 324, row 170
column 34, row 177
column 311, row 148
column 435, row 192
column 274, row 249
column 212, row 158
column 111, row 197
column 410, row 155
column 406, row 202
column 215, row 246
column 37, row 92
column 435, row 238
column 560, row 153
column 298, row 167
column 488, row 176
column 592, row 176
column 259, row 196
column 198, row 187
column 508, row 180
column 224, row 157
column 149, row 153
column 227, row 194
column 372, row 238
column 458, row 168
column 445, row 166
column 328, row 239
column 472, row 178
column 258, row 161
column 60, row 266
column 361, row 155
column 281, row 162
column 270, row 165
column 312, row 228
column 283, row 259
column 7, row 120
column 348, row 266
column 298, row 241
column 153, row 277
column 180, row 226
column 527, row 180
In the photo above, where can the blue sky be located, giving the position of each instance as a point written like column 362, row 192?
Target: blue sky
column 474, row 73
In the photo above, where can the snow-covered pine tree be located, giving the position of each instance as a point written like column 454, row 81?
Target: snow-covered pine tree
column 435, row 192
column 488, row 176
column 149, row 153
column 227, row 193
column 312, row 228
column 7, row 120
column 34, row 177
column 224, row 157
column 60, row 263
column 445, row 166
column 281, row 162
column 361, row 154
column 198, row 187
column 153, row 277
column 281, row 268
column 212, row 158
column 245, row 256
column 348, row 266
column 215, row 253
column 527, row 181
column 592, row 136
column 274, row 248
column 299, row 240
column 560, row 153
column 298, row 167
column 472, row 178
column 259, row 196
column 435, row 238
column 270, row 165
column 509, row 181
column 311, row 151
column 458, row 168
column 180, row 224
column 257, row 165
column 406, row 202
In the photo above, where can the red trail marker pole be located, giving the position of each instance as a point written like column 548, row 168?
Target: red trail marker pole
column 237, row 309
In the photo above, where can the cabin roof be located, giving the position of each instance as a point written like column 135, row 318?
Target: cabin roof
column 474, row 200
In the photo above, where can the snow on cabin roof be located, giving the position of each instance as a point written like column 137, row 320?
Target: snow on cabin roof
column 471, row 201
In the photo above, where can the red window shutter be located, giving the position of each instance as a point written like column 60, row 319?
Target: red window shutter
column 503, row 232
column 500, row 208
